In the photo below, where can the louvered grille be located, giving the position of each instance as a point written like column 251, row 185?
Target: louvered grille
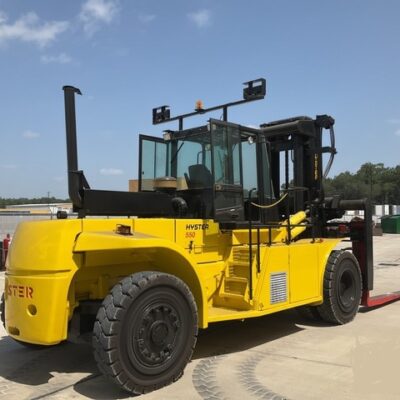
column 278, row 287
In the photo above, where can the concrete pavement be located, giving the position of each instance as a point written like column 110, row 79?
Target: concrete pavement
column 274, row 357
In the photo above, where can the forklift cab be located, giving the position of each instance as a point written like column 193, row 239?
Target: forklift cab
column 217, row 169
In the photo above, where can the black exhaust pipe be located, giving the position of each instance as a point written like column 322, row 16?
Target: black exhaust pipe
column 88, row 201
column 76, row 178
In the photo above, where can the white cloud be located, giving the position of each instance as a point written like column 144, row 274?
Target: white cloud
column 397, row 133
column 146, row 18
column 28, row 28
column 95, row 12
column 3, row 17
column 61, row 58
column 111, row 171
column 201, row 18
column 30, row 135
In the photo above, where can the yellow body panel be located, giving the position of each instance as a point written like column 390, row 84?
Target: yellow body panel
column 37, row 308
column 40, row 267
column 55, row 265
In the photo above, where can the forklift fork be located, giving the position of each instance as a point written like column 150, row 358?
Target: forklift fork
column 361, row 237
column 379, row 300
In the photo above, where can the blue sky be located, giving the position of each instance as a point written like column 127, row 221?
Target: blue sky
column 128, row 56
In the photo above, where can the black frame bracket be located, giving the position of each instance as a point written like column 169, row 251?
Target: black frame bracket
column 253, row 90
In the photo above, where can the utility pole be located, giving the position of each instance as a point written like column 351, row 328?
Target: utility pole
column 48, row 204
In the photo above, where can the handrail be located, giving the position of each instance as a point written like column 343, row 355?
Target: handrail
column 250, row 246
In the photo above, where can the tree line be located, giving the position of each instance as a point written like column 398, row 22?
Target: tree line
column 24, row 200
column 379, row 183
column 375, row 181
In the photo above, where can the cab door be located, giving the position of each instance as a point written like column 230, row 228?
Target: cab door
column 226, row 160
column 154, row 161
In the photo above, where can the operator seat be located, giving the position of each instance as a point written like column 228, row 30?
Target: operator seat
column 199, row 177
column 199, row 197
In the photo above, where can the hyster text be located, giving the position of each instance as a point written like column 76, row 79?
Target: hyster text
column 20, row 291
column 196, row 227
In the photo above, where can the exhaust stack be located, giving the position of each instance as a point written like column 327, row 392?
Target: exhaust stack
column 76, row 179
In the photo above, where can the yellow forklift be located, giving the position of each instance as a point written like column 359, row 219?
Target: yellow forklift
column 229, row 222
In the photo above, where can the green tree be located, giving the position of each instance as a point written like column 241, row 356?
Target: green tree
column 23, row 200
column 379, row 183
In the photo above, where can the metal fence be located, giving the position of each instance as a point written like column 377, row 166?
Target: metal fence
column 9, row 221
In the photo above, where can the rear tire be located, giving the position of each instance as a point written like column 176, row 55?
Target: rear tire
column 145, row 331
column 342, row 288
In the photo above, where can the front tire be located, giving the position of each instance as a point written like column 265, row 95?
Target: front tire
column 342, row 288
column 145, row 331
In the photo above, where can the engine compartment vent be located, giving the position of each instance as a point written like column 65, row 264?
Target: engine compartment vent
column 278, row 282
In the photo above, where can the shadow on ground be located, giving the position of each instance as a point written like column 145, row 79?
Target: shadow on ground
column 50, row 370
column 235, row 336
column 36, row 366
column 40, row 368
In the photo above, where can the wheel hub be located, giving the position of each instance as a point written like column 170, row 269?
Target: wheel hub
column 347, row 291
column 159, row 332
column 156, row 336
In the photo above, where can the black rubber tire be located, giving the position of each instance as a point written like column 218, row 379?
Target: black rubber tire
column 145, row 331
column 309, row 312
column 342, row 288
column 2, row 311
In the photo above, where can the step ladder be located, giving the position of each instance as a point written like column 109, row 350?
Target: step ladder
column 234, row 291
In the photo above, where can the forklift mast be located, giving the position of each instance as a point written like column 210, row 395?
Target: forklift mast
column 300, row 139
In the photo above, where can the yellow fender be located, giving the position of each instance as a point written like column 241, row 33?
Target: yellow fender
column 166, row 257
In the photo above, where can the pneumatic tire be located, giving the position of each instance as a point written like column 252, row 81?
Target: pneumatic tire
column 342, row 288
column 145, row 331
